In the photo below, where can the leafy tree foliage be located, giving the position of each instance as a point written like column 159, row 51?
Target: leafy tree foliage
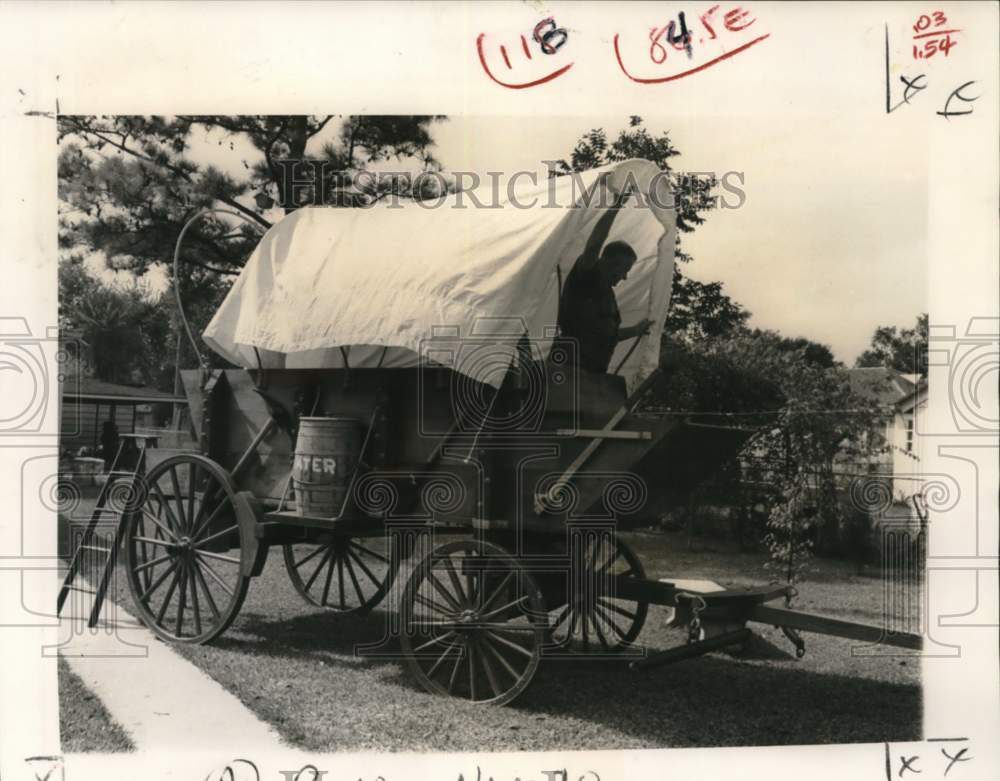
column 904, row 350
column 805, row 349
column 116, row 333
column 693, row 194
column 700, row 310
column 822, row 432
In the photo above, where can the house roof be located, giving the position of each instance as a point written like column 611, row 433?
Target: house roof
column 879, row 383
column 87, row 389
column 913, row 398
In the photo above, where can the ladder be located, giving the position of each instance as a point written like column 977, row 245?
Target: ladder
column 130, row 446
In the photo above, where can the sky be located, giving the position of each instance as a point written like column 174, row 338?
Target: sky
column 829, row 242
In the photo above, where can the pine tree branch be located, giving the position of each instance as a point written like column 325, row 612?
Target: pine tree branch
column 186, row 176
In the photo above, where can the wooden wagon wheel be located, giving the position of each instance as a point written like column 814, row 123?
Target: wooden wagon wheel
column 594, row 618
column 183, row 551
column 344, row 574
column 473, row 623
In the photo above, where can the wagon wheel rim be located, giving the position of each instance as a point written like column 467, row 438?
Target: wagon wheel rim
column 472, row 634
column 594, row 619
column 346, row 575
column 183, row 548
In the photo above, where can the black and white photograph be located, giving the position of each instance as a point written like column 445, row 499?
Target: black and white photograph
column 450, row 437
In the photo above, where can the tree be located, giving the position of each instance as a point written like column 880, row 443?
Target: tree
column 115, row 333
column 127, row 185
column 904, row 350
column 807, row 350
column 700, row 310
column 822, row 426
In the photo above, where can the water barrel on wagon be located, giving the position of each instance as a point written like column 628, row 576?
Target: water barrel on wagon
column 326, row 457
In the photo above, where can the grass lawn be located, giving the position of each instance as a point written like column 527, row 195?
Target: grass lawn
column 296, row 667
column 84, row 724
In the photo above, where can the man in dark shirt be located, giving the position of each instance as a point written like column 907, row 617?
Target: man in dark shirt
column 588, row 310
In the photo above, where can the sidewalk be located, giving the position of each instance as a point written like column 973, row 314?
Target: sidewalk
column 164, row 702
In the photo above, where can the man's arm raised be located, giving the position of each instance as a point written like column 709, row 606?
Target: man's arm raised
column 600, row 233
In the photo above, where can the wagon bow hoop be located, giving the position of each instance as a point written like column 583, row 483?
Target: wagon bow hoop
column 176, row 283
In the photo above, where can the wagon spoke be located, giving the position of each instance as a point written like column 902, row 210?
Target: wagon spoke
column 159, row 526
column 617, row 608
column 208, row 594
column 615, row 555
column 561, row 617
column 322, row 563
column 166, row 507
column 218, row 556
column 192, row 490
column 369, row 552
column 427, row 623
column 471, row 648
column 166, row 600
column 490, row 675
column 329, row 577
column 498, row 591
column 473, row 579
column 147, row 576
column 364, row 568
column 354, row 580
column 159, row 580
column 430, row 603
column 152, row 563
column 443, row 591
column 211, row 492
column 195, row 607
column 217, row 535
column 214, row 575
column 207, row 523
column 454, row 670
column 154, row 541
column 441, row 658
column 309, row 557
column 340, row 581
column 455, row 582
column 574, row 617
column 611, row 622
column 501, row 658
column 500, row 610
column 595, row 547
column 175, row 483
column 507, row 627
column 181, row 599
column 597, row 628
column 434, row 641
column 509, row 643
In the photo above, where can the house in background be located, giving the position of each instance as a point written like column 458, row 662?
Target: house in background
column 904, row 399
column 87, row 404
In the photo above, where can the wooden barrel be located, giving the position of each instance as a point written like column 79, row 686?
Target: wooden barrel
column 326, row 455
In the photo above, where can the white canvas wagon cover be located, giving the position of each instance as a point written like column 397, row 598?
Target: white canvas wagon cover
column 456, row 283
